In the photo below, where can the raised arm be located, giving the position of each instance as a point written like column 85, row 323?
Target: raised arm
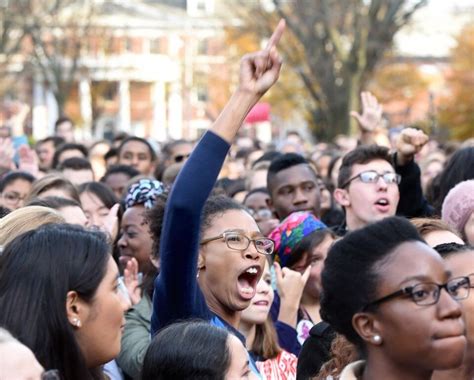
column 177, row 295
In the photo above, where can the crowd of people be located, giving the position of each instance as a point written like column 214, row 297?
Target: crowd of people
column 227, row 258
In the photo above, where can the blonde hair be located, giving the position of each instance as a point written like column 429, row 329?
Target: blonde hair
column 428, row 225
column 26, row 219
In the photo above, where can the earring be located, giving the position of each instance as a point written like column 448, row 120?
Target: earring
column 197, row 276
column 377, row 339
column 76, row 322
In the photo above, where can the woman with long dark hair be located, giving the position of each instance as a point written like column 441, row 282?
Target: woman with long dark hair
column 59, row 296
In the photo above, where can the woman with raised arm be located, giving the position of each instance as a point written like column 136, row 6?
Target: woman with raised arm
column 212, row 251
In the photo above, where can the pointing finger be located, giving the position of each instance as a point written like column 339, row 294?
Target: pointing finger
column 276, row 36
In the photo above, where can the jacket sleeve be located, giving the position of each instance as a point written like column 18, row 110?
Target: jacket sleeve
column 176, row 292
column 412, row 203
column 135, row 339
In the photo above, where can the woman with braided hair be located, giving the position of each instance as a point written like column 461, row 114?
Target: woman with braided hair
column 135, row 255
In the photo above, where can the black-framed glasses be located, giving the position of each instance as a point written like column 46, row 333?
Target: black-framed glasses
column 239, row 242
column 427, row 293
column 371, row 176
column 471, row 279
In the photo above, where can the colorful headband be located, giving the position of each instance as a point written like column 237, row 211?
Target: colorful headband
column 289, row 233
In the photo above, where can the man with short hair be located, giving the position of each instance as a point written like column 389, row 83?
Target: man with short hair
column 64, row 128
column 373, row 184
column 45, row 150
column 293, row 186
column 77, row 170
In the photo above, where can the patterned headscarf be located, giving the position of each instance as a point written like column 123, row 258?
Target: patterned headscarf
column 289, row 233
column 144, row 192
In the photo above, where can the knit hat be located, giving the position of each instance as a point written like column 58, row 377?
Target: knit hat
column 459, row 205
column 143, row 192
column 289, row 233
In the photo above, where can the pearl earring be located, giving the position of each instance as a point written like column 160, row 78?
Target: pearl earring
column 76, row 322
column 377, row 339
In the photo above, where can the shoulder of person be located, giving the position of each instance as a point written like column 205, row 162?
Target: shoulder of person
column 353, row 371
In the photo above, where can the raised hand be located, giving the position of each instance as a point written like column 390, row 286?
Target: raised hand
column 110, row 225
column 131, row 281
column 409, row 142
column 7, row 152
column 290, row 286
column 28, row 160
column 372, row 111
column 260, row 70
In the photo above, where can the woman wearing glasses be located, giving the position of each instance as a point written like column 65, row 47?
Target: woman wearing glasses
column 391, row 295
column 459, row 260
column 212, row 251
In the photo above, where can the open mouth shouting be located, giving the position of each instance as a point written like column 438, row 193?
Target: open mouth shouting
column 247, row 282
column 382, row 205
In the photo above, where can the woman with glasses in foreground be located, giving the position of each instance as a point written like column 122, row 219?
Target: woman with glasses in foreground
column 391, row 295
column 212, row 252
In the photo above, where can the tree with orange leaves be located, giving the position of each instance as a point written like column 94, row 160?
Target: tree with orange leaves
column 457, row 109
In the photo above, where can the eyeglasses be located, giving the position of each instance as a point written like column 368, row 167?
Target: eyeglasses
column 12, row 198
column 427, row 293
column 181, row 157
column 240, row 242
column 372, row 176
column 263, row 213
column 471, row 279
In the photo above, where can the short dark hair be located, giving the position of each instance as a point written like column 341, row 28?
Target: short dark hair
column 217, row 205
column 62, row 119
column 284, row 162
column 188, row 350
column 268, row 156
column 101, row 191
column 123, row 169
column 13, row 176
column 75, row 163
column 56, row 140
column 168, row 147
column 113, row 152
column 262, row 190
column 459, row 168
column 138, row 139
column 350, row 278
column 35, row 281
column 361, row 155
column 450, row 249
column 68, row 146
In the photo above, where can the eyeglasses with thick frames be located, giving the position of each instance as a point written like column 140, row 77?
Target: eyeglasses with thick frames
column 428, row 293
column 371, row 176
column 240, row 242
